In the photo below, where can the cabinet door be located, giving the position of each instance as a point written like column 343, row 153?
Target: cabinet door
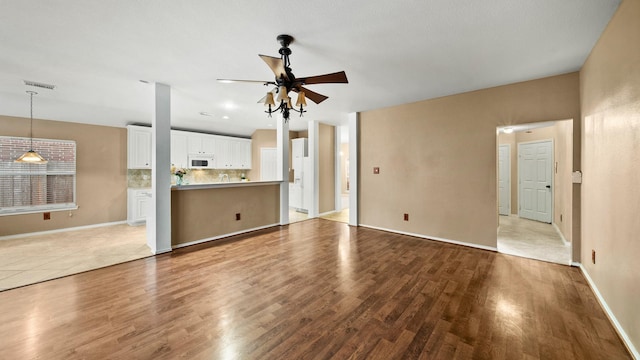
column 142, row 208
column 208, row 144
column 139, row 147
column 194, row 144
column 223, row 154
column 178, row 149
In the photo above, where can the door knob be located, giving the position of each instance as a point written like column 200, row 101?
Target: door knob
column 548, row 186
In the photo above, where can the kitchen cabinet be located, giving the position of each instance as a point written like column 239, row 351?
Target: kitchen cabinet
column 138, row 205
column 201, row 143
column 179, row 149
column 138, row 147
column 233, row 153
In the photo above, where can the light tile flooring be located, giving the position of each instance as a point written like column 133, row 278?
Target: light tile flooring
column 339, row 216
column 32, row 259
column 295, row 216
column 532, row 239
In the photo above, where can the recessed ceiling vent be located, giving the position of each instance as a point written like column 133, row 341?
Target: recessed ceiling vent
column 39, row 84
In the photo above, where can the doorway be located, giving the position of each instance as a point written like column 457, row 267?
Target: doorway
column 535, row 190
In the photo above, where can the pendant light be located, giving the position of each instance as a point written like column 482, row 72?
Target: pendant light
column 31, row 157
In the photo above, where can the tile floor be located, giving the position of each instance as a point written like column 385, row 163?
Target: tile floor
column 533, row 240
column 295, row 216
column 33, row 259
column 339, row 216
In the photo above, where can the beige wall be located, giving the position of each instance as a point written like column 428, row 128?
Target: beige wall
column 101, row 175
column 207, row 213
column 437, row 157
column 562, row 196
column 610, row 92
column 268, row 138
column 561, row 134
column 326, row 165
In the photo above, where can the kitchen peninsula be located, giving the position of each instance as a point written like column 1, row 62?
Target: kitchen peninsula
column 203, row 212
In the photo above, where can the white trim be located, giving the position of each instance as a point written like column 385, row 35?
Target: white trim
column 455, row 242
column 17, row 236
column 623, row 335
column 575, row 264
column 508, row 146
column 564, row 240
column 195, row 242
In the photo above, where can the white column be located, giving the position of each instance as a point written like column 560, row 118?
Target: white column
column 353, row 168
column 338, row 169
column 160, row 227
column 314, row 153
column 282, row 136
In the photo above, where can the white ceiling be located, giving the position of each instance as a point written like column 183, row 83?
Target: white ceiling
column 393, row 52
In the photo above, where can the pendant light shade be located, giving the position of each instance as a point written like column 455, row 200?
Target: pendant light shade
column 301, row 101
column 269, row 99
column 282, row 94
column 31, row 157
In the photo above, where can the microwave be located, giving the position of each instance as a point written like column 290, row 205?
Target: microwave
column 201, row 161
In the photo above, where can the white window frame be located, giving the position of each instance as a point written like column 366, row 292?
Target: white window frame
column 30, row 209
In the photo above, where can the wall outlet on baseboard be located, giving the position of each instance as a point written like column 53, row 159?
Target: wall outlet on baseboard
column 46, row 216
column 237, row 216
column 406, row 217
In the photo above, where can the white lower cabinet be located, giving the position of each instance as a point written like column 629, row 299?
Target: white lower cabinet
column 138, row 205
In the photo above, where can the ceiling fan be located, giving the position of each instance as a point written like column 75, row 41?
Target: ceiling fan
column 285, row 82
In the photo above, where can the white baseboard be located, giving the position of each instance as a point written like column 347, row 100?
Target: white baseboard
column 564, row 240
column 456, row 242
column 17, row 236
column 195, row 242
column 625, row 338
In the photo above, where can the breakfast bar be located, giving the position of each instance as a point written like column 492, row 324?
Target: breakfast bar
column 204, row 212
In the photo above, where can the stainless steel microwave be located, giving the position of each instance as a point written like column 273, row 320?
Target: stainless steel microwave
column 201, row 161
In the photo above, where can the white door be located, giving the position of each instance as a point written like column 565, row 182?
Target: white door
column 535, row 165
column 268, row 164
column 504, row 179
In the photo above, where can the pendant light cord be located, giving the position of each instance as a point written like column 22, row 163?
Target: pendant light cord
column 31, row 126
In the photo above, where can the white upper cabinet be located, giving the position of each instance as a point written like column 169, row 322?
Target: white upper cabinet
column 201, row 143
column 139, row 147
column 233, row 153
column 179, row 150
column 241, row 150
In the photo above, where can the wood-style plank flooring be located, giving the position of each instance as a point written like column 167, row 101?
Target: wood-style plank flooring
column 316, row 289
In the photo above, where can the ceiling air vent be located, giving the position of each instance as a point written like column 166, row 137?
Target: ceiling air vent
column 40, row 85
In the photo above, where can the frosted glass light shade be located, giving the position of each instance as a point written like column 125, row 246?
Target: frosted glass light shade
column 269, row 99
column 301, row 101
column 31, row 157
column 282, row 94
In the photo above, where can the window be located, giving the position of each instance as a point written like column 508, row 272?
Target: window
column 28, row 188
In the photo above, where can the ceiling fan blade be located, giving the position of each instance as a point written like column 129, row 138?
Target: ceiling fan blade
column 311, row 95
column 265, row 82
column 276, row 65
column 334, row 78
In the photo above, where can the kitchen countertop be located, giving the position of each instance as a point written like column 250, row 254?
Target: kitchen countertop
column 223, row 185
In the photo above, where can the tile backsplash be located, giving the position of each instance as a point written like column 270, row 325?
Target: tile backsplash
column 141, row 178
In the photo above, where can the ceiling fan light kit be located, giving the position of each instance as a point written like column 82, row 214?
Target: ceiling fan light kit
column 285, row 82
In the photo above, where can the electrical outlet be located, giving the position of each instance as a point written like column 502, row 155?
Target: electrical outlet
column 560, row 217
column 237, row 216
column 593, row 256
column 406, row 217
column 376, row 170
column 46, row 216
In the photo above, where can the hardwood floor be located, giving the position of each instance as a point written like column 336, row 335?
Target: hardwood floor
column 316, row 289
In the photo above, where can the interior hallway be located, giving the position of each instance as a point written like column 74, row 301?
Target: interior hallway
column 32, row 259
column 533, row 240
